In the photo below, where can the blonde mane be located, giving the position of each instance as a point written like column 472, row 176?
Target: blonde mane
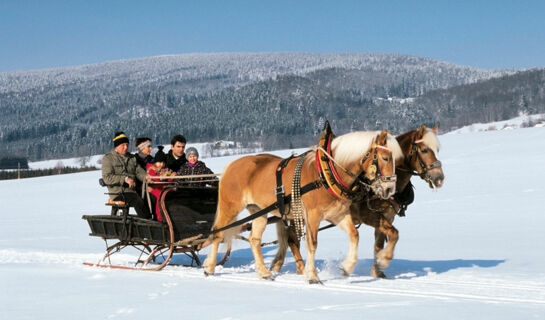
column 431, row 140
column 352, row 146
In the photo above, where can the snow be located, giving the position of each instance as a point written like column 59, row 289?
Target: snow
column 510, row 124
column 471, row 250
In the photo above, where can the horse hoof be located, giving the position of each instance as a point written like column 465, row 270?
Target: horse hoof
column 206, row 274
column 344, row 273
column 378, row 274
column 315, row 281
column 269, row 277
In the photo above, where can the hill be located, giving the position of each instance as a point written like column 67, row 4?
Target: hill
column 281, row 99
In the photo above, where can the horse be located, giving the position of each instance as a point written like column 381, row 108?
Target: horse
column 249, row 183
column 420, row 148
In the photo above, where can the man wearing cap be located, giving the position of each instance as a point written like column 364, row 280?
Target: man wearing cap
column 120, row 171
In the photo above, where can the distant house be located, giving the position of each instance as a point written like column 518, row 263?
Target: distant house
column 13, row 163
column 224, row 144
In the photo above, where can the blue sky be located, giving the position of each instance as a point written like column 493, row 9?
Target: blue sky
column 484, row 34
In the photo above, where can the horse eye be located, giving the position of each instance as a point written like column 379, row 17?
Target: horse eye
column 424, row 150
column 386, row 159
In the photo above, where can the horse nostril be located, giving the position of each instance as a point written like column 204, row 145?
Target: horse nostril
column 389, row 192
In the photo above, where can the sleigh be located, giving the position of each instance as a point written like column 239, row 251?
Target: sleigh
column 188, row 212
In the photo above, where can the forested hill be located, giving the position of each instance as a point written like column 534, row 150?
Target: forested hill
column 281, row 99
column 487, row 101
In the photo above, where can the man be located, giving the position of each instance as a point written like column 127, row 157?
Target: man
column 120, row 171
column 143, row 154
column 176, row 157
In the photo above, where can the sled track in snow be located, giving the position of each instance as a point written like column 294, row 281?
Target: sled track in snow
column 430, row 290
column 491, row 291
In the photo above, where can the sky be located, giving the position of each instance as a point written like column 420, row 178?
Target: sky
column 482, row 34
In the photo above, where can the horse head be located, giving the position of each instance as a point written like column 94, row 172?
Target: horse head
column 378, row 165
column 422, row 156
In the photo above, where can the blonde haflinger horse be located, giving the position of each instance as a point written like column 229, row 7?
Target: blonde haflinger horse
column 420, row 148
column 249, row 183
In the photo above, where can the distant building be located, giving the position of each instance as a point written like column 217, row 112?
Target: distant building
column 13, row 163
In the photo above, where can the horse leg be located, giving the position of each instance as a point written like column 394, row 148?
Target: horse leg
column 295, row 246
column 209, row 263
column 383, row 257
column 313, row 223
column 282, row 234
column 380, row 238
column 258, row 226
column 347, row 225
column 287, row 237
column 225, row 215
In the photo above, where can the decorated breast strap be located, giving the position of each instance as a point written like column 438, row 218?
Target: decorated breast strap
column 326, row 169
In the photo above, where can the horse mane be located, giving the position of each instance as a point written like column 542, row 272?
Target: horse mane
column 431, row 140
column 352, row 146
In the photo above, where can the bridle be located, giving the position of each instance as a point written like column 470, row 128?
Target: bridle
column 423, row 173
column 379, row 178
column 330, row 179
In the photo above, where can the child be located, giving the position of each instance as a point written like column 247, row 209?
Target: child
column 193, row 167
column 157, row 169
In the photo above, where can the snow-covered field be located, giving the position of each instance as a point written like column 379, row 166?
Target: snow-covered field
column 534, row 120
column 472, row 250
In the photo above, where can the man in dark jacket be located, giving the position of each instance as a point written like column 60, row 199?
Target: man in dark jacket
column 176, row 156
column 120, row 171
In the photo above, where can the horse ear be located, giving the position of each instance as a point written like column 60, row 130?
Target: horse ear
column 390, row 133
column 420, row 132
column 382, row 138
column 327, row 127
column 435, row 128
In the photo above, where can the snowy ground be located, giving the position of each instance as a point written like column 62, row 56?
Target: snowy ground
column 537, row 120
column 472, row 250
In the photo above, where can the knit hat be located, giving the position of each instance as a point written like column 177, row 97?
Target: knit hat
column 142, row 142
column 120, row 138
column 160, row 156
column 191, row 150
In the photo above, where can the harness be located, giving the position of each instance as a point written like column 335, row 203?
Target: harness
column 329, row 179
column 328, row 174
column 281, row 198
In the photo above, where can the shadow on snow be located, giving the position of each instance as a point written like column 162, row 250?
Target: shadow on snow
column 398, row 269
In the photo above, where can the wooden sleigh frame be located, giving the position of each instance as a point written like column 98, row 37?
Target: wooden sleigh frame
column 188, row 213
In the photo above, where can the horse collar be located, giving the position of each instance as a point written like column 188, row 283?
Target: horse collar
column 327, row 172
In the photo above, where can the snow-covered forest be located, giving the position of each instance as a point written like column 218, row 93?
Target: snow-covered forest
column 279, row 99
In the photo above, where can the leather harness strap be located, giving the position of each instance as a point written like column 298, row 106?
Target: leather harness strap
column 279, row 190
column 308, row 187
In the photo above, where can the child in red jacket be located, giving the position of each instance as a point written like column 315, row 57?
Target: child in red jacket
column 157, row 169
